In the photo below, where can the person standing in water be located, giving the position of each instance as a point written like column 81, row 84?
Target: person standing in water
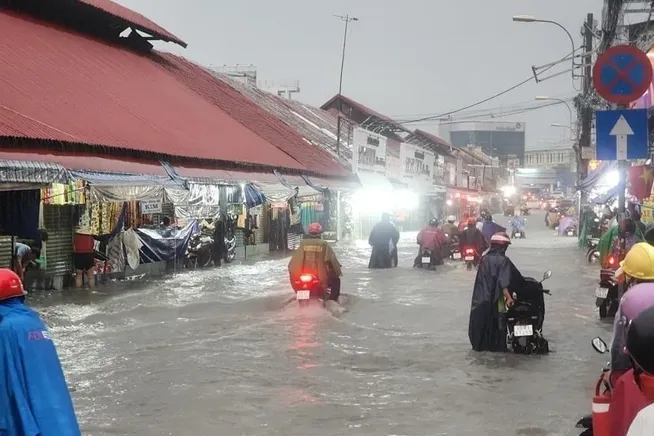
column 383, row 240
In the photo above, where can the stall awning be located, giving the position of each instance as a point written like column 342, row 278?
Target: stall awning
column 592, row 178
column 30, row 172
column 337, row 184
column 85, row 161
column 122, row 179
column 374, row 181
column 608, row 196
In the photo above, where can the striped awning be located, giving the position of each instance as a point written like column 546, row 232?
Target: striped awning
column 41, row 173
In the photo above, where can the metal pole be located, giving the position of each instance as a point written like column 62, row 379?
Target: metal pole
column 347, row 20
column 622, row 169
column 586, row 110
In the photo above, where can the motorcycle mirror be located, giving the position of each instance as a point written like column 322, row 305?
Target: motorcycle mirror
column 547, row 274
column 599, row 345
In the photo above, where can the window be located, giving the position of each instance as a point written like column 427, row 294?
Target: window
column 373, row 141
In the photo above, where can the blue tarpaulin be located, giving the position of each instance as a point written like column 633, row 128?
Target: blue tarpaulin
column 157, row 248
column 19, row 213
column 608, row 196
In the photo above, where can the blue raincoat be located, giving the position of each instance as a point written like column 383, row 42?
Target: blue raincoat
column 517, row 224
column 34, row 398
column 490, row 228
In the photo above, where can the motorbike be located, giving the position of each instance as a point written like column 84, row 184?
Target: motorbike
column 469, row 256
column 602, row 395
column 593, row 254
column 524, row 320
column 307, row 287
column 426, row 260
column 517, row 234
column 571, row 230
column 509, row 211
column 525, row 211
column 199, row 251
column 606, row 295
column 455, row 254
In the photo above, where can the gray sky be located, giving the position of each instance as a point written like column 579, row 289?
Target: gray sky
column 404, row 58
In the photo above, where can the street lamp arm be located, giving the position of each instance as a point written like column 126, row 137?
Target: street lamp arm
column 572, row 41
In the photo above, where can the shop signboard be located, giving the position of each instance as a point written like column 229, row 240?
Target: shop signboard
column 369, row 149
column 417, row 163
column 149, row 207
column 393, row 168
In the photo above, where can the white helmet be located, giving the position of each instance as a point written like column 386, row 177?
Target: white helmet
column 451, row 218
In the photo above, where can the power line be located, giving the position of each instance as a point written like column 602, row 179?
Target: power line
column 494, row 96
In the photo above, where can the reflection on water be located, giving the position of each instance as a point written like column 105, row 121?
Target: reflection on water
column 216, row 351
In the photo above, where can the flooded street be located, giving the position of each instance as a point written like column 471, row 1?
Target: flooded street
column 216, row 352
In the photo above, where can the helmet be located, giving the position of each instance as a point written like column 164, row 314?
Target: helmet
column 639, row 262
column 472, row 221
column 433, row 222
column 639, row 340
column 500, row 238
column 637, row 299
column 315, row 229
column 451, row 218
column 10, row 284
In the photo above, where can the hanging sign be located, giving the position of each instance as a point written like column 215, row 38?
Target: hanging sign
column 151, row 206
column 370, row 150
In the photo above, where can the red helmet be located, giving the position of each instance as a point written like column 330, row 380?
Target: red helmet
column 472, row 221
column 500, row 238
column 10, row 284
column 315, row 229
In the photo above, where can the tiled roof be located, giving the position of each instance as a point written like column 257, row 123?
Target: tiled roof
column 260, row 121
column 62, row 86
column 134, row 19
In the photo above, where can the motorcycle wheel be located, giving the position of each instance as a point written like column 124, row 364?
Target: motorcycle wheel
column 603, row 310
column 303, row 303
column 593, row 255
column 204, row 260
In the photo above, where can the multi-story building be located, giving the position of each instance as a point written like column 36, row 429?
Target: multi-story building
column 498, row 139
column 552, row 158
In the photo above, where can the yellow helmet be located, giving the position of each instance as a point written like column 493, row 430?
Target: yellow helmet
column 639, row 262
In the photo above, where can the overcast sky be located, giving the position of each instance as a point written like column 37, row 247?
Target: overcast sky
column 404, row 58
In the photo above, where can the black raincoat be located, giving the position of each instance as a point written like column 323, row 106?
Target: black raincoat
column 383, row 234
column 487, row 331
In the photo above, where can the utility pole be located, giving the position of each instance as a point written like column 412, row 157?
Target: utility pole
column 347, row 19
column 586, row 108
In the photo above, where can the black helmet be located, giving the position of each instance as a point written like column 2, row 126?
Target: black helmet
column 640, row 339
column 433, row 222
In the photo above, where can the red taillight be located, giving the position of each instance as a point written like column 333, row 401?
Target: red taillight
column 306, row 278
column 611, row 260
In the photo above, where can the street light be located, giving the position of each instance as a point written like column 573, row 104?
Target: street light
column 546, row 98
column 532, row 19
column 347, row 19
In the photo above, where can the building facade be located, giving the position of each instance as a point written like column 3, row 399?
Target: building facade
column 551, row 158
column 498, row 139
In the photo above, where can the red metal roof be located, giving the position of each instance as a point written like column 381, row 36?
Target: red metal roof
column 88, row 162
column 62, row 86
column 255, row 118
column 135, row 19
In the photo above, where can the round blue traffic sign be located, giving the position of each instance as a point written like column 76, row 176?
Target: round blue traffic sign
column 622, row 74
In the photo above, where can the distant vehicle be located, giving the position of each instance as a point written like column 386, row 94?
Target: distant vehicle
column 557, row 194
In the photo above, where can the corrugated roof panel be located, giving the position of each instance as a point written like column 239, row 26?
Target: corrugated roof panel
column 63, row 86
column 255, row 118
column 139, row 21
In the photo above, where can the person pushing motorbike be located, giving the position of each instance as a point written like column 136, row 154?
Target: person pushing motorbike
column 491, row 296
column 316, row 256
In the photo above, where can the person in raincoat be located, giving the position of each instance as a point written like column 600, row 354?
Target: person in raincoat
column 433, row 239
column 608, row 243
column 383, row 240
column 316, row 256
column 489, row 228
column 632, row 401
column 34, row 397
column 491, row 295
column 517, row 225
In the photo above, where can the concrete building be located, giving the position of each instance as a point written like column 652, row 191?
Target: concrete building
column 554, row 158
column 498, row 139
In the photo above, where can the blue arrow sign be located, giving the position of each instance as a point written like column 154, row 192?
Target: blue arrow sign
column 622, row 134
